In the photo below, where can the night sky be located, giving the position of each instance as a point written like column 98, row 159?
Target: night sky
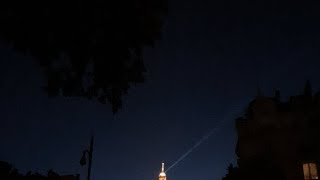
column 206, row 69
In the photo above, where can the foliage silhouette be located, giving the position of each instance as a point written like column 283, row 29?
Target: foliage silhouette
column 87, row 48
column 7, row 172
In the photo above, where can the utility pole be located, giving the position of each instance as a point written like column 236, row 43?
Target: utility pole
column 90, row 157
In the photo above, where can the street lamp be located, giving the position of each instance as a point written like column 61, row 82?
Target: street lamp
column 83, row 160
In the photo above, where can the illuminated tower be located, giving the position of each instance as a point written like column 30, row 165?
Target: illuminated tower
column 162, row 175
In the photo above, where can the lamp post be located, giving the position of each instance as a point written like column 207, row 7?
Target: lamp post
column 83, row 160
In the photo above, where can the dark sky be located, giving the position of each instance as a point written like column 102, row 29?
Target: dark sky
column 207, row 68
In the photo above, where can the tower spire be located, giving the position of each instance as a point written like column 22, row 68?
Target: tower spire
column 162, row 175
column 162, row 168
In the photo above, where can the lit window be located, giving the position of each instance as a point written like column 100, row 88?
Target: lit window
column 310, row 171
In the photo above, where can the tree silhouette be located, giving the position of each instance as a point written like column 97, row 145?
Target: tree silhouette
column 7, row 172
column 87, row 48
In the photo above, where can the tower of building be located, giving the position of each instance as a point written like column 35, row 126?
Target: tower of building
column 162, row 175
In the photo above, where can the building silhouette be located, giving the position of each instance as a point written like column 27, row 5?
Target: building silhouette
column 279, row 140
